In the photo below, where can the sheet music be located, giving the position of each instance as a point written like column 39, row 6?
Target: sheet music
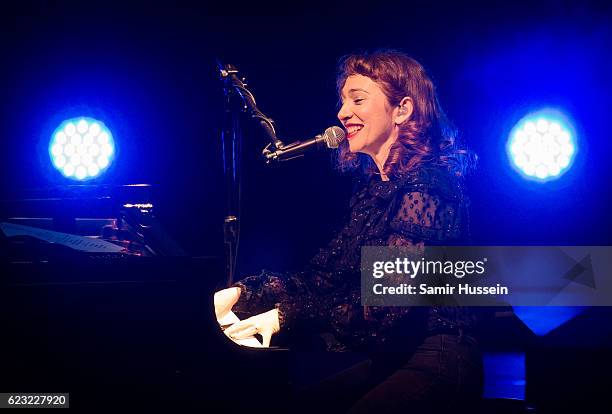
column 230, row 319
column 85, row 244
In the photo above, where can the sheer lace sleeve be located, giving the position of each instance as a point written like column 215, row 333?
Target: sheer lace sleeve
column 427, row 218
column 304, row 298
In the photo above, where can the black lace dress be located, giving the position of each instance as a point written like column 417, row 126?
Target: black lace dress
column 422, row 208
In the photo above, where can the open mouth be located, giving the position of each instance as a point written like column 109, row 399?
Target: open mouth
column 353, row 130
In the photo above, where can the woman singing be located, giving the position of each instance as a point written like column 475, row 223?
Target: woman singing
column 409, row 194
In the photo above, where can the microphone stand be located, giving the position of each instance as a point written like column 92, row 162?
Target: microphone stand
column 238, row 99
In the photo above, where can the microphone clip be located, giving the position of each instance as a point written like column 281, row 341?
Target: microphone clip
column 276, row 155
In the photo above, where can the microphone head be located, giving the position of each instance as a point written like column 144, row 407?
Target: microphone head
column 333, row 136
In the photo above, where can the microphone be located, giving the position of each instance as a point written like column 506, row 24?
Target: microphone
column 331, row 138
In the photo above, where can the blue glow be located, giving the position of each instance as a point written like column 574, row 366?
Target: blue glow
column 542, row 320
column 504, row 375
column 81, row 148
column 542, row 145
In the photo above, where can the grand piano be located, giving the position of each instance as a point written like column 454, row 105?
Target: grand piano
column 133, row 327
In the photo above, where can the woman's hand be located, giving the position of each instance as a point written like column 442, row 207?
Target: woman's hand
column 224, row 300
column 266, row 324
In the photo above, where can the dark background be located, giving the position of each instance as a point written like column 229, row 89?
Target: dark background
column 148, row 71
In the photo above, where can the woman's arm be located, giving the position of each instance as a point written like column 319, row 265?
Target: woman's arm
column 224, row 301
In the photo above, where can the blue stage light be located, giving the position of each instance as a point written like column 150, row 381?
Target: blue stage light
column 544, row 319
column 542, row 145
column 81, row 148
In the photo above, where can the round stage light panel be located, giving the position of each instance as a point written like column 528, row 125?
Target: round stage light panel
column 82, row 148
column 541, row 147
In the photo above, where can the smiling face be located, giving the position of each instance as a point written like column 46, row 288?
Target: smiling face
column 367, row 115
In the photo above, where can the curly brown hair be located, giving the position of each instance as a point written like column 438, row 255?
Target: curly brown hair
column 427, row 137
